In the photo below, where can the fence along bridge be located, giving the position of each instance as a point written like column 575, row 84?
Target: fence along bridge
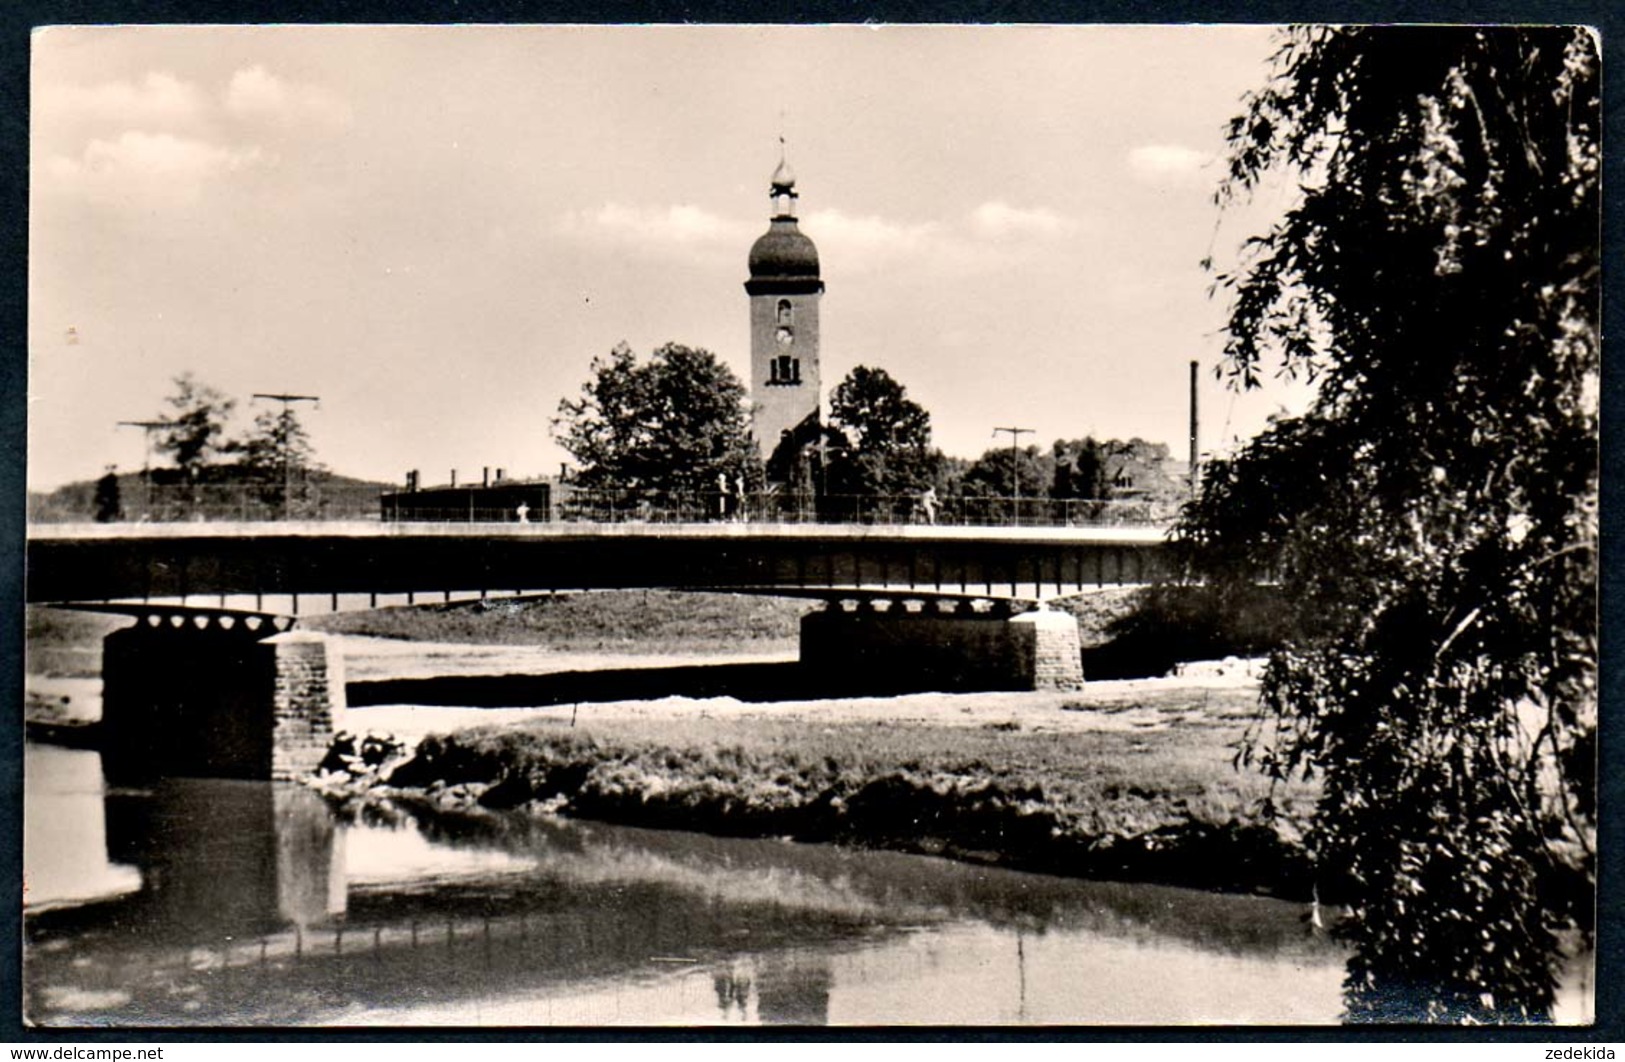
column 217, row 678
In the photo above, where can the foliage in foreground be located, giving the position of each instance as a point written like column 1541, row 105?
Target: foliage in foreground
column 1432, row 520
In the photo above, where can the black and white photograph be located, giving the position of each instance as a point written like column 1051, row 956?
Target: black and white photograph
column 701, row 526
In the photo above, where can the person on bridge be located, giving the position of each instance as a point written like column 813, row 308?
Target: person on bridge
column 523, row 512
column 928, row 504
column 722, row 495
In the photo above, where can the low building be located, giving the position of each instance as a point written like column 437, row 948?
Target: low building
column 503, row 502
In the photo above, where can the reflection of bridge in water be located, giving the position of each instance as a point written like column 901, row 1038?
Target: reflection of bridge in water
column 214, row 679
column 245, row 914
column 256, row 905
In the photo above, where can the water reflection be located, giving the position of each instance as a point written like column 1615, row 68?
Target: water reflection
column 65, row 852
column 222, row 858
column 257, row 904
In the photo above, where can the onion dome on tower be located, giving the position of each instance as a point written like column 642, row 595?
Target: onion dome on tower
column 783, row 259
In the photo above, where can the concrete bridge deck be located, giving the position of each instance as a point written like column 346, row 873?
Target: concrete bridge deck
column 575, row 529
column 213, row 680
column 305, row 568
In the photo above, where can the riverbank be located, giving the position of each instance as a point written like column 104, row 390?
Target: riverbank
column 1129, row 780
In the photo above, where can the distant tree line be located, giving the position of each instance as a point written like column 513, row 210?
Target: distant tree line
column 679, row 423
column 198, row 443
column 273, row 457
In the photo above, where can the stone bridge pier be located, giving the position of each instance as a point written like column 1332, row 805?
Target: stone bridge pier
column 222, row 696
column 942, row 645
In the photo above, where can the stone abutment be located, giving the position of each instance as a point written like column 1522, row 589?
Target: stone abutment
column 212, row 696
column 926, row 648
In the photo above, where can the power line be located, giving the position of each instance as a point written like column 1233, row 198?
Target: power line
column 285, row 399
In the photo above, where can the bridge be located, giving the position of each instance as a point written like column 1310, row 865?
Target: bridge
column 217, row 678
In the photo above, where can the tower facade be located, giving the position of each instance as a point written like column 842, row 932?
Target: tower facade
column 784, row 288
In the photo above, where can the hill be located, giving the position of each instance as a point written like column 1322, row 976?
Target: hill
column 223, row 492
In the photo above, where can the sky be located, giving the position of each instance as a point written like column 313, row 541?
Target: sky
column 436, row 229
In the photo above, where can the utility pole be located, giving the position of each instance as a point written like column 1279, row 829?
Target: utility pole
column 147, row 428
column 286, row 401
column 1015, row 467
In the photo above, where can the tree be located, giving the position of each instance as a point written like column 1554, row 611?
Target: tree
column 1080, row 469
column 989, row 476
column 950, row 473
column 1112, row 469
column 1431, row 520
column 108, row 498
column 277, row 442
column 277, row 454
column 881, row 438
column 989, row 485
column 672, row 424
column 196, row 431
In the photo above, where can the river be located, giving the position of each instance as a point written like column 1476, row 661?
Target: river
column 217, row 903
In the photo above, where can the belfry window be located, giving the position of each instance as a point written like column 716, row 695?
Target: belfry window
column 784, row 311
column 785, row 369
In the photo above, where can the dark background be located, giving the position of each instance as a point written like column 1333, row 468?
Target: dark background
column 19, row 17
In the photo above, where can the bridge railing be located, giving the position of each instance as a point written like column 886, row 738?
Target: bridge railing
column 240, row 503
column 787, row 507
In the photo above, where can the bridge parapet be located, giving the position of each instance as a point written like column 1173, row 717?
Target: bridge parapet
column 249, row 563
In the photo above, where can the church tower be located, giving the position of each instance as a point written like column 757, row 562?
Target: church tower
column 784, row 288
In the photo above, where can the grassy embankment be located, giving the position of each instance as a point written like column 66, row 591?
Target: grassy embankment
column 61, row 643
column 1159, row 803
column 629, row 622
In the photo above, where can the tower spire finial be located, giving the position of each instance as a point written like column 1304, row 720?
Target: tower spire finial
column 783, row 189
column 783, row 176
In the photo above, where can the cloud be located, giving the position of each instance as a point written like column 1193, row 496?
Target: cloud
column 872, row 239
column 158, row 100
column 655, row 229
column 149, row 168
column 1165, row 162
column 998, row 220
column 168, row 139
column 992, row 236
column 254, row 93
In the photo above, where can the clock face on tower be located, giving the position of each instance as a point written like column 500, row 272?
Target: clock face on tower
column 784, row 337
